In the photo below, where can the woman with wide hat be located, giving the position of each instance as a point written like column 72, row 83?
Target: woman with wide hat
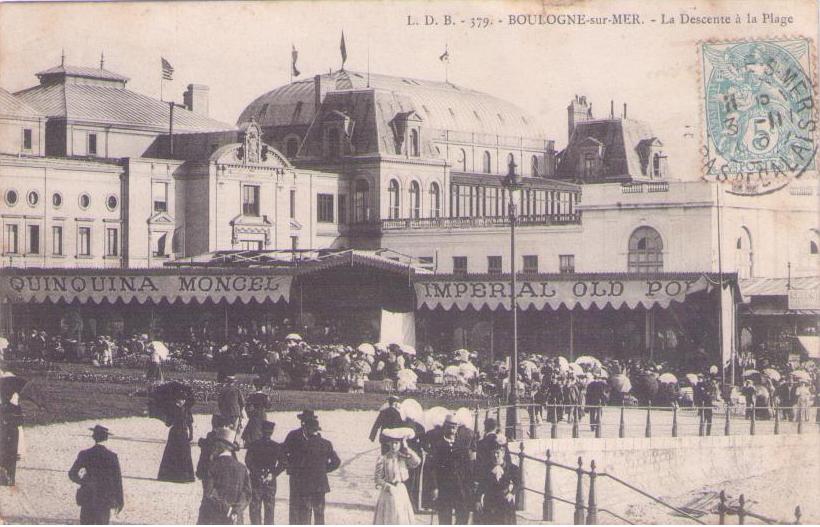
column 392, row 470
column 177, row 466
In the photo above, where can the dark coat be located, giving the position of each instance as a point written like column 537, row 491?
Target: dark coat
column 227, row 488
column 264, row 458
column 388, row 418
column 451, row 472
column 101, row 486
column 597, row 393
column 309, row 460
column 231, row 402
column 207, row 446
column 496, row 509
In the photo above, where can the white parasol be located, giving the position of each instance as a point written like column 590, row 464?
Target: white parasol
column 367, row 349
column 801, row 375
column 405, row 348
column 413, row 410
column 4, row 343
column 667, row 378
column 434, row 417
column 586, row 359
column 464, row 417
column 772, row 374
column 160, row 348
column 462, row 354
column 692, row 378
column 467, row 370
column 576, row 369
column 563, row 364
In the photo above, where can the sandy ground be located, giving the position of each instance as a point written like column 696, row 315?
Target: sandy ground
column 44, row 493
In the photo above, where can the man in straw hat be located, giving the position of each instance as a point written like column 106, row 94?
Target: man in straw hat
column 309, row 460
column 451, row 477
column 97, row 471
column 227, row 485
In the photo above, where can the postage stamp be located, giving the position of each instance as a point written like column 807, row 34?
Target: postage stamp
column 759, row 113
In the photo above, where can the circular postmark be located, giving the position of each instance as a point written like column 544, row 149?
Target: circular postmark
column 760, row 114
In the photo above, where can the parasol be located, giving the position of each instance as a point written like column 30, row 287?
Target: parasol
column 620, row 383
column 406, row 380
column 801, row 375
column 462, row 355
column 367, row 349
column 692, row 378
column 160, row 348
column 434, row 417
column 563, row 364
column 464, row 417
column 162, row 401
column 453, row 371
column 467, row 370
column 413, row 410
column 586, row 359
column 405, row 348
column 772, row 374
column 380, row 347
column 528, row 366
column 751, row 373
column 604, row 374
column 576, row 369
column 667, row 378
column 4, row 343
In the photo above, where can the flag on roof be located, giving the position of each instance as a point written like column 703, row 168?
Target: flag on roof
column 343, row 49
column 167, row 70
column 293, row 56
column 445, row 57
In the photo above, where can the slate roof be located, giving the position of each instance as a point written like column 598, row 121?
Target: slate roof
column 621, row 139
column 442, row 106
column 113, row 106
column 82, row 71
column 11, row 106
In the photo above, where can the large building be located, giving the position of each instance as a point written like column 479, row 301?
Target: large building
column 414, row 173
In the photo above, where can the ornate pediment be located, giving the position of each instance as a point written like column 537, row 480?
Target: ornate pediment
column 250, row 151
column 259, row 221
column 159, row 219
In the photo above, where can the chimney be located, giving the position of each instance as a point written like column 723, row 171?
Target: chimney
column 577, row 111
column 195, row 99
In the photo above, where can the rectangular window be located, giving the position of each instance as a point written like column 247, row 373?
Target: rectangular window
column 250, row 200
column 84, row 241
column 530, row 263
column 589, row 166
column 494, row 264
column 33, row 239
column 324, row 208
column 459, row 265
column 12, row 236
column 427, row 262
column 57, row 241
column 566, row 263
column 251, row 245
column 92, row 144
column 293, row 204
column 112, row 242
column 342, row 209
column 27, row 140
column 159, row 191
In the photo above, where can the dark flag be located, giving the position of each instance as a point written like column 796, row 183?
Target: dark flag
column 445, row 57
column 167, row 70
column 293, row 56
column 343, row 49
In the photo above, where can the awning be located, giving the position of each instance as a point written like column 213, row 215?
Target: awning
column 97, row 285
column 556, row 291
column 810, row 343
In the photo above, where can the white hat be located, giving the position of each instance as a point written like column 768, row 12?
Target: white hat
column 397, row 434
column 294, row 336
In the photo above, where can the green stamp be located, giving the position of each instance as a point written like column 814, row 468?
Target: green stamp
column 760, row 115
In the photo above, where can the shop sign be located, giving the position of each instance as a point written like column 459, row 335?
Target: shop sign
column 145, row 286
column 478, row 294
column 804, row 298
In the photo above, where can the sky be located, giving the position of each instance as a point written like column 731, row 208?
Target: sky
column 242, row 50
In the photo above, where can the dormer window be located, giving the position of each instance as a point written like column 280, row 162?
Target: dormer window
column 333, row 142
column 589, row 166
column 27, row 139
column 414, row 143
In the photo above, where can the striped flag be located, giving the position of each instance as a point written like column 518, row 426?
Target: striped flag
column 293, row 56
column 167, row 70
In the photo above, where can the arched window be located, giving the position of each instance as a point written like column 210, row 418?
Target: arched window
column 743, row 253
column 414, row 143
column 534, row 166
column 435, row 200
column 393, row 199
column 292, row 147
column 361, row 202
column 645, row 251
column 415, row 200
column 488, row 162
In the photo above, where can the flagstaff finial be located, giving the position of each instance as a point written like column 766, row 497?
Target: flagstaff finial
column 102, row 60
column 62, row 57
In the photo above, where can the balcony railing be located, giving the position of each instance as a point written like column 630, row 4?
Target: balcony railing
column 640, row 188
column 404, row 224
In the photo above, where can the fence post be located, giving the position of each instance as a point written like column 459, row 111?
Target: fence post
column 776, row 420
column 600, row 413
column 533, row 425
column 547, row 513
column 800, row 422
column 579, row 494
column 674, row 421
column 520, row 499
column 622, row 426
column 575, row 423
column 797, row 514
column 722, row 508
column 754, row 418
column 592, row 504
column 741, row 510
column 727, row 428
column 701, row 422
column 648, row 432
column 554, row 427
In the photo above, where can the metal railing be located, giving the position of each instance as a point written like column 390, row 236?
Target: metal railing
column 466, row 222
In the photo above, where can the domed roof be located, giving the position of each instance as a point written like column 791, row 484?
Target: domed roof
column 442, row 106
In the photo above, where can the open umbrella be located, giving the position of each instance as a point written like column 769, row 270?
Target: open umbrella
column 563, row 364
column 413, row 410
column 163, row 399
column 587, row 360
column 772, row 374
column 692, row 378
column 467, row 370
column 528, row 366
column 603, row 373
column 464, row 417
column 576, row 369
column 667, row 378
column 160, row 348
column 462, row 354
column 620, row 383
column 801, row 375
column 367, row 349
column 434, row 417
column 748, row 374
column 405, row 348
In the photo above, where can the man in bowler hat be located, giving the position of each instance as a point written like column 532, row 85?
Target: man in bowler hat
column 265, row 463
column 309, row 461
column 293, row 443
column 451, row 475
column 97, row 471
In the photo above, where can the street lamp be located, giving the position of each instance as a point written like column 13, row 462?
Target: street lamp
column 513, row 183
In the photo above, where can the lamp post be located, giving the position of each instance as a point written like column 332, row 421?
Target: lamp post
column 512, row 183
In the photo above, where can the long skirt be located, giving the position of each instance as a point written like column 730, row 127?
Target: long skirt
column 393, row 506
column 177, row 465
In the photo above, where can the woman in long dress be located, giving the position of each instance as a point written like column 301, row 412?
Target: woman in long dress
column 177, row 465
column 392, row 470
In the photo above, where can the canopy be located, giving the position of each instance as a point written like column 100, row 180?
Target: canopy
column 159, row 285
column 554, row 291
